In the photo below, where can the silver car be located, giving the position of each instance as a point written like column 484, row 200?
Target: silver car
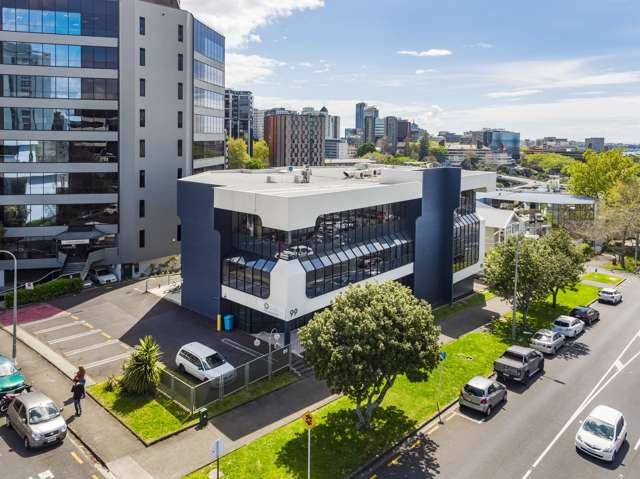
column 547, row 341
column 482, row 394
column 36, row 419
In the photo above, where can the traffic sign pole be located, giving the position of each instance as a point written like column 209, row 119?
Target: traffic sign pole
column 309, row 453
column 443, row 356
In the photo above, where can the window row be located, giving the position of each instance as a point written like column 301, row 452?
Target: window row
column 251, row 276
column 19, row 216
column 54, row 55
column 28, row 86
column 41, row 247
column 59, row 119
column 63, row 17
column 207, row 73
column 50, row 151
column 466, row 241
column 345, row 266
column 208, row 42
column 207, row 149
column 208, row 124
column 208, row 99
column 58, row 183
column 467, row 203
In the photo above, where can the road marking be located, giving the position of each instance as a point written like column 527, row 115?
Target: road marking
column 61, row 315
column 464, row 416
column 93, row 476
column 90, row 326
column 74, row 336
column 105, row 335
column 394, row 461
column 415, row 444
column 125, row 346
column 75, row 317
column 619, row 364
column 637, row 445
column 528, row 473
column 107, row 360
column 432, row 430
column 76, row 457
column 372, row 477
column 240, row 347
column 56, row 328
column 46, row 475
column 73, row 352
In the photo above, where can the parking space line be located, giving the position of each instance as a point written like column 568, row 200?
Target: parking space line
column 105, row 335
column 61, row 315
column 74, row 336
column 527, row 474
column 432, row 430
column 90, row 326
column 637, row 445
column 93, row 476
column 76, row 457
column 464, row 416
column 56, row 328
column 73, row 352
column 415, row 444
column 125, row 346
column 394, row 461
column 102, row 362
column 619, row 364
column 75, row 317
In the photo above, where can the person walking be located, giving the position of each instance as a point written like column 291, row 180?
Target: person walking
column 78, row 393
column 80, row 377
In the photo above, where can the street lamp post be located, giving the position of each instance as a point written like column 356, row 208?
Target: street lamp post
column 273, row 334
column 15, row 301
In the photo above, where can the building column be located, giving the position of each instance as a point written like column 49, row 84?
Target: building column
column 287, row 332
column 1, row 279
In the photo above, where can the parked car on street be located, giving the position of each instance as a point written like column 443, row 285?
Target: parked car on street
column 203, row 363
column 568, row 326
column 547, row 341
column 36, row 419
column 482, row 394
column 11, row 379
column 602, row 434
column 610, row 295
column 519, row 364
column 586, row 314
column 103, row 276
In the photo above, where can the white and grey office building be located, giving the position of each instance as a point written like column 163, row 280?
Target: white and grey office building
column 105, row 104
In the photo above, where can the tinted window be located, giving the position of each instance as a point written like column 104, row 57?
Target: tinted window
column 598, row 428
column 513, row 355
column 43, row 413
column 474, row 391
column 562, row 324
column 213, row 361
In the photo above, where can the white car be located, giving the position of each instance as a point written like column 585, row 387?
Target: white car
column 103, row 276
column 547, row 341
column 567, row 326
column 602, row 434
column 293, row 252
column 610, row 295
column 203, row 363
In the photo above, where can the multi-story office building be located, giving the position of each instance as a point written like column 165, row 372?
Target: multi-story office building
column 595, row 144
column 498, row 140
column 404, row 130
column 258, row 124
column 273, row 263
column 294, row 138
column 105, row 103
column 369, row 130
column 238, row 116
column 336, row 148
column 391, row 133
column 379, row 128
column 332, row 130
column 360, row 115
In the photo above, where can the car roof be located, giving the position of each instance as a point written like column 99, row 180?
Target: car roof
column 565, row 318
column 544, row 331
column 199, row 349
column 34, row 398
column 480, row 382
column 520, row 350
column 606, row 414
column 582, row 308
column 608, row 290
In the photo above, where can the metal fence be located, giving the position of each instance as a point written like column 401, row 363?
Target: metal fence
column 153, row 282
column 192, row 398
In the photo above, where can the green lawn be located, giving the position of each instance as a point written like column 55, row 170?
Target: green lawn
column 629, row 263
column 603, row 278
column 476, row 299
column 338, row 447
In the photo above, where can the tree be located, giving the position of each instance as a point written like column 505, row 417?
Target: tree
column 423, row 148
column 621, row 214
column 600, row 172
column 533, row 286
column 565, row 265
column 470, row 162
column 366, row 149
column 369, row 336
column 142, row 370
column 261, row 151
column 550, row 163
column 438, row 151
column 236, row 153
column 254, row 164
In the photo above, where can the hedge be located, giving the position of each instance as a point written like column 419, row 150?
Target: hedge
column 45, row 291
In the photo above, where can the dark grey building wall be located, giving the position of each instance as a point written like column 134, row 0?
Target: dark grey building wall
column 433, row 266
column 201, row 249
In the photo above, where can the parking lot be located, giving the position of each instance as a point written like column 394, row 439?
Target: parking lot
column 97, row 329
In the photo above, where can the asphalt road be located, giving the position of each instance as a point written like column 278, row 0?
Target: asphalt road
column 532, row 435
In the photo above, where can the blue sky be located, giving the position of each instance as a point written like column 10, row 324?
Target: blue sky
column 564, row 68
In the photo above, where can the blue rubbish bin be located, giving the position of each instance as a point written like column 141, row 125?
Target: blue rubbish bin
column 228, row 322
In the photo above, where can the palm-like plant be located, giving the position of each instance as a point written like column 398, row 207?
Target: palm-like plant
column 142, row 370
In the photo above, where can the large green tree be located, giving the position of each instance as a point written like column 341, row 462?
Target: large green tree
column 565, row 265
column 438, row 151
column 261, row 151
column 423, row 147
column 237, row 155
column 550, row 163
column 369, row 336
column 365, row 149
column 600, row 172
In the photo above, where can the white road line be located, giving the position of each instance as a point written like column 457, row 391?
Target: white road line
column 74, row 336
column 464, row 416
column 635, row 448
column 38, row 322
column 619, row 364
column 527, row 474
column 73, row 352
column 55, row 328
column 107, row 360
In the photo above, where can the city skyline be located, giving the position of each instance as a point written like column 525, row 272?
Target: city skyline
column 500, row 67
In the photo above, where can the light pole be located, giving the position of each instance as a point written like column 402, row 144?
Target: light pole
column 15, row 300
column 273, row 334
column 515, row 289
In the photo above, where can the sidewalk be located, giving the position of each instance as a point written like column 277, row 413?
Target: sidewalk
column 471, row 319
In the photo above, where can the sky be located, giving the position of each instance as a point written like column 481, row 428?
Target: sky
column 564, row 68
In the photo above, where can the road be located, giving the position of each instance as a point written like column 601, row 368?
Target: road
column 532, row 435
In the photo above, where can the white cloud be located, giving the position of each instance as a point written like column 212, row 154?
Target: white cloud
column 513, row 94
column 305, row 64
column 238, row 19
column 433, row 52
column 484, row 45
column 249, row 69
column 424, row 71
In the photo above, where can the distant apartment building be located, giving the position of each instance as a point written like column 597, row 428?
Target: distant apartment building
column 105, row 105
column 450, row 137
column 294, row 138
column 404, row 130
column 379, row 128
column 336, row 149
column 458, row 153
column 497, row 140
column 391, row 133
column 596, row 144
column 258, row 124
column 360, row 115
column 238, row 116
column 369, row 133
column 332, row 130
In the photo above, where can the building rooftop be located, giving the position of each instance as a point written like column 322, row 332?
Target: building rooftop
column 495, row 217
column 528, row 197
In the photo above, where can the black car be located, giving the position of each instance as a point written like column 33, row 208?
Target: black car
column 586, row 314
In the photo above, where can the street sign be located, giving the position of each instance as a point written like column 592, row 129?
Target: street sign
column 443, row 355
column 308, row 420
column 218, row 447
column 28, row 285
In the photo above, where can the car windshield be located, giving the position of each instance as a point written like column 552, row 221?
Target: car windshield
column 7, row 369
column 542, row 336
column 43, row 413
column 598, row 428
column 562, row 324
column 474, row 391
column 213, row 361
column 512, row 355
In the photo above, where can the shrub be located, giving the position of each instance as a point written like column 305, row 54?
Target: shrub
column 586, row 250
column 45, row 291
column 142, row 370
column 111, row 384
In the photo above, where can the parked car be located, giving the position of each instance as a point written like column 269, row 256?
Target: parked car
column 610, row 295
column 203, row 363
column 11, row 379
column 586, row 314
column 602, row 434
column 519, row 364
column 103, row 276
column 567, row 326
column 36, row 419
column 482, row 394
column 293, row 252
column 547, row 341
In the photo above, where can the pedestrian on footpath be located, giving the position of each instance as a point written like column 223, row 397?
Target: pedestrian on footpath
column 80, row 377
column 78, row 393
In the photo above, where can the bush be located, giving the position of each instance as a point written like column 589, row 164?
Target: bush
column 142, row 370
column 111, row 384
column 586, row 250
column 45, row 291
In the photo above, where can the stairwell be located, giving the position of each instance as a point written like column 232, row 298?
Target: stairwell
column 299, row 367
column 72, row 269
